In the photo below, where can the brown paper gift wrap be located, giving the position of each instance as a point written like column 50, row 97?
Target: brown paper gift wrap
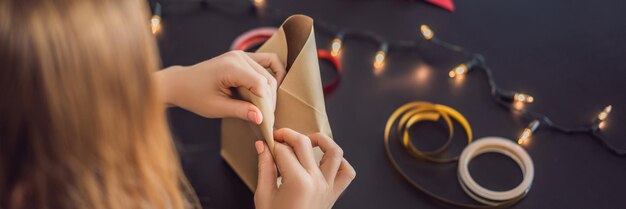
column 299, row 100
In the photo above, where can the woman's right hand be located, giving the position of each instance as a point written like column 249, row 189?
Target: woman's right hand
column 305, row 184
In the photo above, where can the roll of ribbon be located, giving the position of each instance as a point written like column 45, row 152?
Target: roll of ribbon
column 502, row 146
column 409, row 114
column 415, row 112
column 332, row 84
column 258, row 36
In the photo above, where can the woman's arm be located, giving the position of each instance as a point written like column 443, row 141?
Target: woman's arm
column 205, row 88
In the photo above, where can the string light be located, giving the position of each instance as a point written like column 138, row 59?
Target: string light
column 155, row 23
column 602, row 116
column 528, row 132
column 516, row 100
column 261, row 7
column 426, row 32
column 155, row 20
column 523, row 98
column 605, row 113
column 379, row 59
column 458, row 71
column 335, row 46
column 464, row 68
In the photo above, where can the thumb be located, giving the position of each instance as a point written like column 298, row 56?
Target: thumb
column 267, row 171
column 235, row 108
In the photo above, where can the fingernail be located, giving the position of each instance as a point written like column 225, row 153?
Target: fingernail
column 259, row 147
column 255, row 117
column 259, row 118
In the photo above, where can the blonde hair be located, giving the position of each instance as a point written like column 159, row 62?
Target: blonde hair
column 81, row 123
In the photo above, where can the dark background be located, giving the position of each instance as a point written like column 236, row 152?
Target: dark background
column 568, row 54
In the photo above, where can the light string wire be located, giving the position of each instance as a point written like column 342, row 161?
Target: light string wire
column 507, row 99
column 274, row 14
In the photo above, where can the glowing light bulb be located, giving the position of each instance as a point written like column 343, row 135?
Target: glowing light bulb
column 528, row 132
column 155, row 20
column 379, row 59
column 605, row 113
column 335, row 47
column 524, row 137
column 602, row 116
column 155, row 23
column 524, row 98
column 426, row 32
column 458, row 71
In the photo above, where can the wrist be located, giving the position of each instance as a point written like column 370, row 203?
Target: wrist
column 166, row 84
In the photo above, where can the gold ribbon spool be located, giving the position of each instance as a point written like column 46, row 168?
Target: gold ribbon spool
column 414, row 112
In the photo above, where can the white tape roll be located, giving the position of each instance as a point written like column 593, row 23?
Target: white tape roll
column 498, row 145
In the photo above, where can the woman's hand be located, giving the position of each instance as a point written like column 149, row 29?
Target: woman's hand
column 205, row 88
column 305, row 185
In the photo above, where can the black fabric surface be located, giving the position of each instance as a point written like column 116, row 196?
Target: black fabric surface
column 568, row 54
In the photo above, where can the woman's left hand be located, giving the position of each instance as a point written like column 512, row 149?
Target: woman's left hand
column 205, row 88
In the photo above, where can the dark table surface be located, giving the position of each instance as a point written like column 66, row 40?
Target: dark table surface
column 568, row 54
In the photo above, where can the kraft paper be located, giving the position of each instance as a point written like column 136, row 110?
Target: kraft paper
column 299, row 100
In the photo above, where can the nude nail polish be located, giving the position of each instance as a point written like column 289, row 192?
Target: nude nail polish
column 253, row 117
column 259, row 147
